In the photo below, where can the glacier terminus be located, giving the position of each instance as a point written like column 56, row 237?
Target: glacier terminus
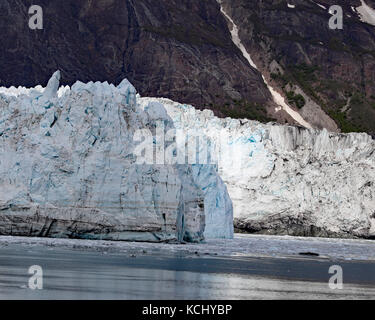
column 68, row 169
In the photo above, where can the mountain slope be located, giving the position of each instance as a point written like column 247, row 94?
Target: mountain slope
column 294, row 47
column 176, row 49
column 183, row 50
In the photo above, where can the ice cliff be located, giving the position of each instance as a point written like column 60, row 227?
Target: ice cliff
column 292, row 180
column 68, row 169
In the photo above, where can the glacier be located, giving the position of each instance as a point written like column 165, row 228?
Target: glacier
column 311, row 183
column 290, row 180
column 68, row 170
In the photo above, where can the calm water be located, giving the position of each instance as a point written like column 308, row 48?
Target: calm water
column 71, row 274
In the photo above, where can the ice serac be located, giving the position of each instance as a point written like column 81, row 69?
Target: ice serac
column 67, row 169
column 292, row 180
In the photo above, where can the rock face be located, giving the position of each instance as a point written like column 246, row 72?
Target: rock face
column 182, row 50
column 179, row 49
column 294, row 181
column 293, row 46
column 68, row 169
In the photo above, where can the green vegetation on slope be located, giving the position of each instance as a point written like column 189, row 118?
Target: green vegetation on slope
column 243, row 110
column 349, row 118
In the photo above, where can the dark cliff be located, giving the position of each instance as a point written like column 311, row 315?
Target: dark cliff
column 179, row 49
column 182, row 50
column 335, row 68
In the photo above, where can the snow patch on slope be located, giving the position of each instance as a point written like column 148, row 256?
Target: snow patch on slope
column 366, row 13
column 319, row 5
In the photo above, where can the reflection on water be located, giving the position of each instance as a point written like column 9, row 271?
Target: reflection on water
column 74, row 275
